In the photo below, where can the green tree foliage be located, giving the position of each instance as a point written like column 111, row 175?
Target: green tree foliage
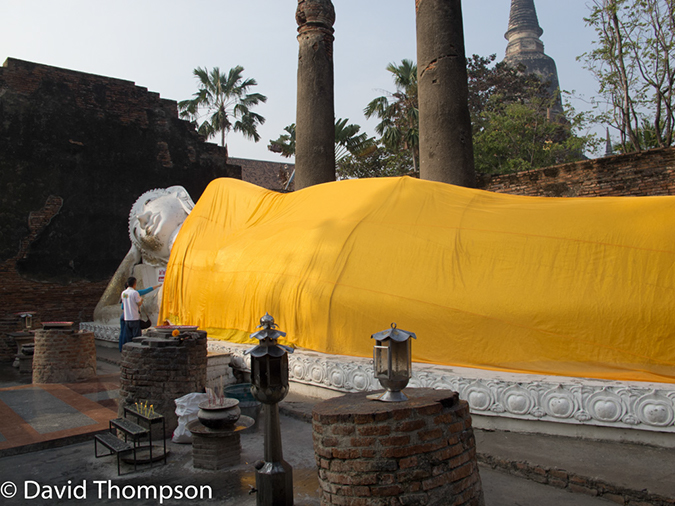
column 515, row 126
column 647, row 138
column 222, row 103
column 520, row 136
column 634, row 63
column 348, row 141
column 398, row 112
column 285, row 143
column 376, row 161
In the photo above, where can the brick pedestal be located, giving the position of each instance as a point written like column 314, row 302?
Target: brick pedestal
column 214, row 449
column 419, row 452
column 63, row 356
column 158, row 371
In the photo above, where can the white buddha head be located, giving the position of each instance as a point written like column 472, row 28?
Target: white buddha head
column 155, row 219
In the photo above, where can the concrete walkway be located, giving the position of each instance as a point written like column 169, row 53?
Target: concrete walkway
column 516, row 469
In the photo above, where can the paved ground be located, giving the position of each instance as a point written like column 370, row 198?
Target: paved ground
column 47, row 471
column 37, row 418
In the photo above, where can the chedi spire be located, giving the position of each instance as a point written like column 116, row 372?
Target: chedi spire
column 526, row 47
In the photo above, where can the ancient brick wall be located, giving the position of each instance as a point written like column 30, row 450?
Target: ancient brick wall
column 635, row 174
column 94, row 143
column 76, row 151
column 270, row 175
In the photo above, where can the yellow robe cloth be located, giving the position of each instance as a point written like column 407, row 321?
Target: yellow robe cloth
column 576, row 287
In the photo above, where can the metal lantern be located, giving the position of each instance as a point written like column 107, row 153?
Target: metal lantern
column 27, row 317
column 392, row 361
column 269, row 363
column 269, row 384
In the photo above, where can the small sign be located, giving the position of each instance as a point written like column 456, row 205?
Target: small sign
column 161, row 275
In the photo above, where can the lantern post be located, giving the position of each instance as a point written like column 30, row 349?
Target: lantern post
column 269, row 384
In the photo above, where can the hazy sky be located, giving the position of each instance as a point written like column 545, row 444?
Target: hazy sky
column 157, row 44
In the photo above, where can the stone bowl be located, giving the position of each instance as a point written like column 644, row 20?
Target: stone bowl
column 219, row 416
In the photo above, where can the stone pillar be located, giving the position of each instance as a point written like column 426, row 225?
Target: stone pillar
column 421, row 451
column 315, row 117
column 446, row 148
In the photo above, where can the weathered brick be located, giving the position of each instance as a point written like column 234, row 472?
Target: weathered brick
column 408, row 462
column 374, row 430
column 362, row 441
column 343, row 430
column 395, row 440
column 410, row 425
column 414, row 499
column 556, row 473
column 582, row 490
column 426, row 435
column 330, row 441
column 386, row 490
column 557, row 483
column 432, row 409
column 402, row 414
column 345, row 453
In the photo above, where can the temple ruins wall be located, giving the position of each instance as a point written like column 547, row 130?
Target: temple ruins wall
column 647, row 173
column 76, row 151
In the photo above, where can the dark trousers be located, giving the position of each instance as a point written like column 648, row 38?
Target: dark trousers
column 123, row 332
column 132, row 329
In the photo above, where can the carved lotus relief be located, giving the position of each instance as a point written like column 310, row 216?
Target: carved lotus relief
column 360, row 380
column 517, row 400
column 605, row 406
column 655, row 409
column 558, row 402
column 621, row 405
column 478, row 396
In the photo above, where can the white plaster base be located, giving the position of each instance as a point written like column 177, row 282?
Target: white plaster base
column 578, row 407
column 103, row 332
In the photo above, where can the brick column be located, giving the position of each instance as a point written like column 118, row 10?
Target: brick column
column 63, row 356
column 446, row 146
column 159, row 373
column 420, row 452
column 315, row 116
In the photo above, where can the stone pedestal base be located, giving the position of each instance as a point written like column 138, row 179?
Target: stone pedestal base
column 63, row 356
column 212, row 449
column 421, row 451
column 157, row 371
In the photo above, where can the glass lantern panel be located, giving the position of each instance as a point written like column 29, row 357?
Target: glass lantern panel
column 274, row 370
column 381, row 359
column 400, row 360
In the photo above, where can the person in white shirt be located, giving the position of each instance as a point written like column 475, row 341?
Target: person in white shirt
column 131, row 302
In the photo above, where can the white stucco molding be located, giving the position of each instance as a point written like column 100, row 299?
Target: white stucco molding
column 577, row 401
column 559, row 399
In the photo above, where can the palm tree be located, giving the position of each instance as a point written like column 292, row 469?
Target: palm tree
column 347, row 140
column 285, row 144
column 224, row 98
column 398, row 111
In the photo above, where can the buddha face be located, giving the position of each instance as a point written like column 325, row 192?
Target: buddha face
column 156, row 225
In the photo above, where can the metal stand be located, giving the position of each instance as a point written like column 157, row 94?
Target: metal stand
column 274, row 480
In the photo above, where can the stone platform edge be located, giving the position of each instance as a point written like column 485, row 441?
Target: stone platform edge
column 576, row 402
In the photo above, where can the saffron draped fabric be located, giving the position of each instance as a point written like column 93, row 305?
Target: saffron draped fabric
column 577, row 287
